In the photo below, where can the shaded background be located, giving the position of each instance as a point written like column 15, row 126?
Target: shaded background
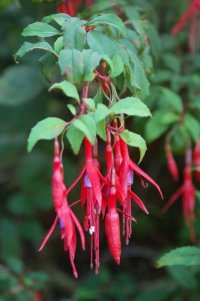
column 26, row 211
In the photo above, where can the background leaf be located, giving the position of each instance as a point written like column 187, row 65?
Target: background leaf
column 186, row 256
column 22, row 91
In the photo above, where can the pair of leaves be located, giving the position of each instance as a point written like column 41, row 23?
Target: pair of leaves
column 50, row 127
column 78, row 66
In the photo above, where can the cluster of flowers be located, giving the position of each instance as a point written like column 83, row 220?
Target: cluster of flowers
column 187, row 189
column 100, row 196
column 191, row 14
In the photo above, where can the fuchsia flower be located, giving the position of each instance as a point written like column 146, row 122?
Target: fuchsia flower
column 91, row 197
column 65, row 216
column 191, row 14
column 187, row 190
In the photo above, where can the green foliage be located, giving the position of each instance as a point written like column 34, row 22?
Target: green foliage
column 130, row 106
column 46, row 129
column 67, row 88
column 109, row 19
column 186, row 256
column 40, row 29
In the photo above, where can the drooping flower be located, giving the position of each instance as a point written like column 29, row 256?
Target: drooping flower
column 91, row 197
column 191, row 14
column 187, row 190
column 64, row 215
column 171, row 163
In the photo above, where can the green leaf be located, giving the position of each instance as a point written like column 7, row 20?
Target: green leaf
column 192, row 126
column 101, row 129
column 109, row 63
column 48, row 65
column 68, row 89
column 118, row 65
column 74, row 34
column 46, row 129
column 109, row 19
column 172, row 62
column 100, row 42
column 75, row 137
column 138, row 77
column 131, row 106
column 159, row 124
column 101, row 112
column 72, row 109
column 60, row 19
column 90, row 102
column 40, row 29
column 186, row 256
column 135, row 140
column 27, row 47
column 16, row 91
column 58, row 45
column 170, row 100
column 91, row 60
column 87, row 126
column 71, row 65
column 154, row 294
column 154, row 40
column 183, row 276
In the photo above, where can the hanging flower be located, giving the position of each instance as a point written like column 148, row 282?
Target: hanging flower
column 191, row 14
column 171, row 163
column 64, row 215
column 187, row 190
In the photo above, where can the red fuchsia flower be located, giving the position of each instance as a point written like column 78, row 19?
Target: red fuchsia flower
column 191, row 14
column 71, row 7
column 171, row 163
column 91, row 197
column 64, row 215
column 117, row 158
column 187, row 190
column 196, row 156
column 126, row 175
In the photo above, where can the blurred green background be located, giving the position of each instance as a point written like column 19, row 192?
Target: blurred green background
column 26, row 211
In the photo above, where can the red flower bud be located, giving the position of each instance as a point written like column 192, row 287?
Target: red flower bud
column 171, row 163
